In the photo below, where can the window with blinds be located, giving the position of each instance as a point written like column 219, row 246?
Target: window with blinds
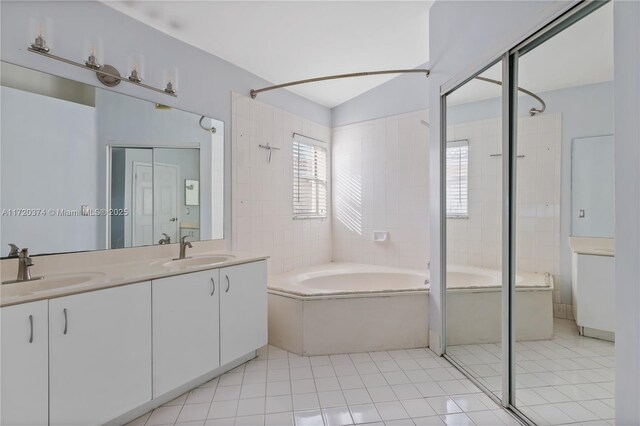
column 309, row 178
column 457, row 177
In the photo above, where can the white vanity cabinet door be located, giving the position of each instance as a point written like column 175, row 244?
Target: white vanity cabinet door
column 594, row 291
column 24, row 372
column 99, row 354
column 186, row 328
column 243, row 309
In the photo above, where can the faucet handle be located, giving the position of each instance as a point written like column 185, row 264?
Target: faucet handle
column 15, row 251
column 24, row 257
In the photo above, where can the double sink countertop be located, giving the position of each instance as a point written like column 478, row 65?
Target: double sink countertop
column 84, row 278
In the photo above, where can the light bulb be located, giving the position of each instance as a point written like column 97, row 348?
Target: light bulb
column 93, row 51
column 40, row 34
column 171, row 79
column 135, row 67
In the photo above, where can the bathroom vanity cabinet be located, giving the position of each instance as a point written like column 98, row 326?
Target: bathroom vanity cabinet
column 186, row 328
column 243, row 310
column 25, row 342
column 107, row 356
column 593, row 294
column 99, row 354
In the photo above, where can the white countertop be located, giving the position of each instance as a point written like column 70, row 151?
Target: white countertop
column 592, row 246
column 91, row 277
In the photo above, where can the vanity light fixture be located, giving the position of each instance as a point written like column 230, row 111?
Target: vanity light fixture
column 39, row 45
column 171, row 77
column 91, row 62
column 169, row 89
column 134, row 77
column 91, row 49
column 106, row 74
column 135, row 63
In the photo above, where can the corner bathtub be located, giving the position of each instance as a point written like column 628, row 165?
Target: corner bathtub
column 344, row 307
column 474, row 306
column 347, row 307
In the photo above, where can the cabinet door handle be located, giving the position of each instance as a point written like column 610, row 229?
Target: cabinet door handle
column 31, row 328
column 213, row 286
column 66, row 321
column 228, row 283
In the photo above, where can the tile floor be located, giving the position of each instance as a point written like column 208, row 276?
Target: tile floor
column 404, row 387
column 566, row 380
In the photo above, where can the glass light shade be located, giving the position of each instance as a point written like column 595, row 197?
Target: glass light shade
column 93, row 51
column 40, row 33
column 171, row 81
column 135, row 67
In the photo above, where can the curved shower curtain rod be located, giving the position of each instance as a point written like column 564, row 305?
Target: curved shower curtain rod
column 532, row 111
column 255, row 92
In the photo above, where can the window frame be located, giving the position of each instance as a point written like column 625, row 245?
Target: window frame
column 459, row 143
column 322, row 146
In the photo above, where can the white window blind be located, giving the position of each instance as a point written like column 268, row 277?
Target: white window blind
column 309, row 178
column 457, row 176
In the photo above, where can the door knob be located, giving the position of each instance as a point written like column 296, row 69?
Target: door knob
column 173, row 219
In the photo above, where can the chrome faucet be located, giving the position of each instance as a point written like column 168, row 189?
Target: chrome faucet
column 165, row 240
column 14, row 250
column 183, row 248
column 24, row 266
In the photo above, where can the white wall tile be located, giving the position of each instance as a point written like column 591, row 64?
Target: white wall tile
column 476, row 240
column 380, row 183
column 262, row 192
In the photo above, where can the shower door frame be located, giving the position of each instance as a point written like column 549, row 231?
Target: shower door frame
column 509, row 60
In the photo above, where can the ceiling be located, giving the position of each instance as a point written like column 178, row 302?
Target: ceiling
column 293, row 40
column 581, row 54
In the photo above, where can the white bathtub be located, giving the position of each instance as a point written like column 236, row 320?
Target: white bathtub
column 343, row 307
column 461, row 277
column 474, row 306
column 346, row 307
column 348, row 279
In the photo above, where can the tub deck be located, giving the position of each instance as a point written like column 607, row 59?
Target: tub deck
column 345, row 307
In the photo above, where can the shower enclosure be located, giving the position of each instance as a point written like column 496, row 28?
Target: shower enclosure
column 505, row 204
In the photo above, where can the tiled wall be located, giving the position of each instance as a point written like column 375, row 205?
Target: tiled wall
column 476, row 240
column 380, row 183
column 262, row 221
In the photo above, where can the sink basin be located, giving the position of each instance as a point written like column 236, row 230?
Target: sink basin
column 198, row 261
column 49, row 282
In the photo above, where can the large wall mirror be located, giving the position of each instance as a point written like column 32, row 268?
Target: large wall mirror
column 473, row 194
column 592, row 187
column 88, row 169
